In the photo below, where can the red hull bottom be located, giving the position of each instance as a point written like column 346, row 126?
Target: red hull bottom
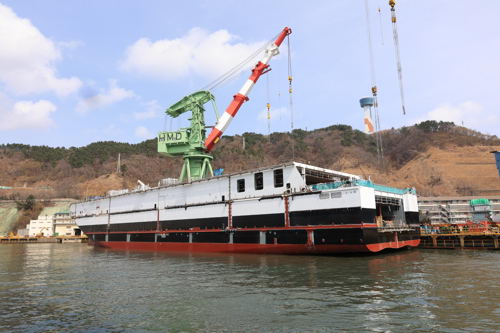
column 257, row 248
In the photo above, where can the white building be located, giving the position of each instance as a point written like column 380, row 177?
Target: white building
column 64, row 225
column 43, row 226
column 454, row 210
column 59, row 224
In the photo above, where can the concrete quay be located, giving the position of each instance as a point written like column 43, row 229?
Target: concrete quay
column 42, row 240
column 461, row 241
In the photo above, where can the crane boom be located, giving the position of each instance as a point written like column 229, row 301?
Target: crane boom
column 242, row 96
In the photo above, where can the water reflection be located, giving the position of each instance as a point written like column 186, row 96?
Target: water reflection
column 77, row 287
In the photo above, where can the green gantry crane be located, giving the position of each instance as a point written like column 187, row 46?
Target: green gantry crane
column 189, row 142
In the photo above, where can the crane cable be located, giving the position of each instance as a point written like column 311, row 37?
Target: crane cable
column 378, row 137
column 370, row 50
column 279, row 103
column 278, row 74
column 380, row 21
column 290, row 79
column 290, row 91
column 268, row 105
column 238, row 70
column 392, row 3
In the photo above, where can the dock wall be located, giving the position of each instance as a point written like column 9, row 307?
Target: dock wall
column 463, row 241
column 42, row 240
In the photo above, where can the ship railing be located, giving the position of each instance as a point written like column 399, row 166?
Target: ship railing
column 72, row 221
column 364, row 183
column 456, row 231
column 396, row 229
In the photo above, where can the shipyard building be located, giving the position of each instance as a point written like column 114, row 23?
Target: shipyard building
column 59, row 224
column 458, row 210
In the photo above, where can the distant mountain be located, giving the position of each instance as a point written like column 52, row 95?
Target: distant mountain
column 438, row 158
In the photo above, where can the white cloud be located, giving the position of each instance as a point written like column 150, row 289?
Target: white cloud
column 199, row 52
column 103, row 98
column 71, row 45
column 27, row 58
column 142, row 132
column 27, row 115
column 112, row 130
column 470, row 113
column 278, row 113
column 152, row 111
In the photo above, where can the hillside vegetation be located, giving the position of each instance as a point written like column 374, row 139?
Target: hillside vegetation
column 428, row 156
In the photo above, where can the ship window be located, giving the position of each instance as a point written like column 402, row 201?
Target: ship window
column 259, row 180
column 240, row 184
column 278, row 178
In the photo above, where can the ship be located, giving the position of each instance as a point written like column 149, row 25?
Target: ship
column 289, row 208
column 292, row 208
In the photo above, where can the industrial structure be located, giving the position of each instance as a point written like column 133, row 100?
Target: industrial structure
column 459, row 210
column 59, row 224
column 497, row 159
column 189, row 142
column 366, row 104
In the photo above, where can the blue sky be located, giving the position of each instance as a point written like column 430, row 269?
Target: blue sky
column 72, row 73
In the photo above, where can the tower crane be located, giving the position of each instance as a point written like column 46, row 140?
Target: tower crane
column 191, row 142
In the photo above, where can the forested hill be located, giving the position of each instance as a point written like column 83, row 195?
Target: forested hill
column 414, row 156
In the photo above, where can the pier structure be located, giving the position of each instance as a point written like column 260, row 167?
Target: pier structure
column 42, row 240
column 478, row 239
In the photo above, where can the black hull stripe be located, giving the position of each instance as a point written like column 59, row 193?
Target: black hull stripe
column 348, row 236
column 298, row 218
column 332, row 216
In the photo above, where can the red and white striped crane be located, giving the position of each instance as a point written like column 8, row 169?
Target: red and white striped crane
column 242, row 96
